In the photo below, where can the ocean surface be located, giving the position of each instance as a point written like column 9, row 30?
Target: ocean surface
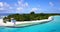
column 52, row 26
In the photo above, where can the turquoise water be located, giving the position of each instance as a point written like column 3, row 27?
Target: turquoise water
column 53, row 26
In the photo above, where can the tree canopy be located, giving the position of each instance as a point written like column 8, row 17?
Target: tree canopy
column 28, row 17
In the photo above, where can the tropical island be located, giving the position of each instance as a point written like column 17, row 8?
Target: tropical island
column 21, row 20
column 28, row 17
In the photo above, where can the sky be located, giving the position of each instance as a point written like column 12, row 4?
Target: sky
column 27, row 6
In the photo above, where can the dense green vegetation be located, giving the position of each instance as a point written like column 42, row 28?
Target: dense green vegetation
column 28, row 17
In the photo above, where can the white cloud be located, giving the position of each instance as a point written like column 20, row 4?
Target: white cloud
column 19, row 8
column 51, row 4
column 4, row 6
column 16, row 7
column 26, row 4
column 34, row 9
column 1, row 4
column 21, row 5
column 1, row 9
column 10, row 7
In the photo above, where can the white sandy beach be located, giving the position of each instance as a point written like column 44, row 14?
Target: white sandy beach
column 36, row 21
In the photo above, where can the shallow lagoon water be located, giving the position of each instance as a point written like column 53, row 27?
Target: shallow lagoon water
column 52, row 26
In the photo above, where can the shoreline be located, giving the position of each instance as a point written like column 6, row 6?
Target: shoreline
column 25, row 22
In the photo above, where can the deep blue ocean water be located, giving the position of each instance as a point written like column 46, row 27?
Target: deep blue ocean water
column 52, row 26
